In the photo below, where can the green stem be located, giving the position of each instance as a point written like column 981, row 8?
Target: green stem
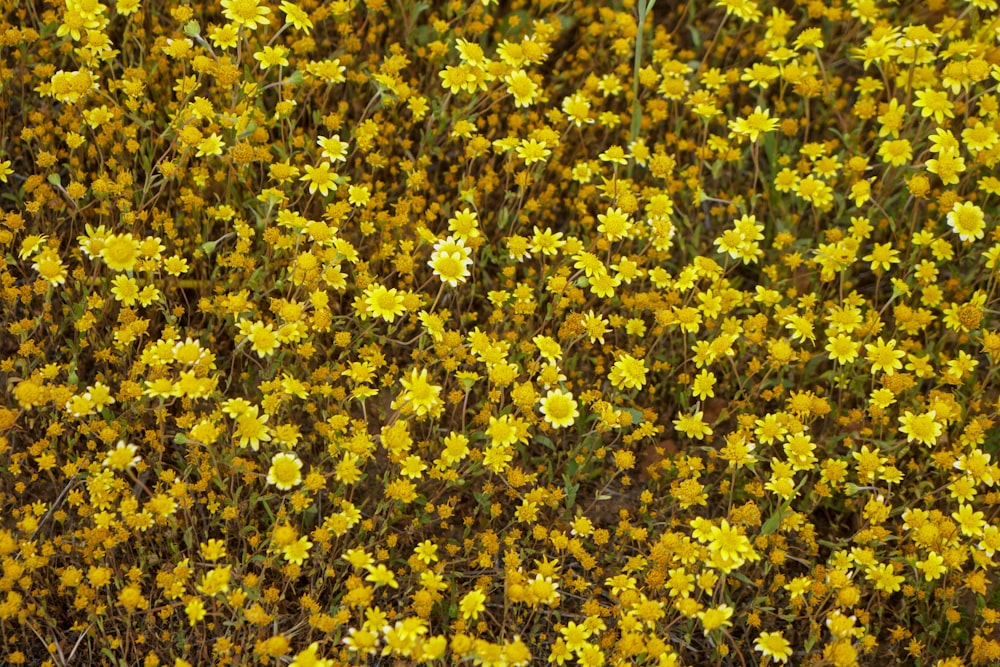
column 645, row 9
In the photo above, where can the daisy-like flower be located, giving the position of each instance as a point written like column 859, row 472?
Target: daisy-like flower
column 884, row 356
column 472, row 604
column 773, row 645
column 968, row 221
column 285, row 471
column 320, row 178
column 246, row 13
column 628, row 373
column 754, row 125
column 122, row 456
column 522, row 87
column 419, row 395
column 385, row 303
column 923, row 427
column 333, row 148
column 272, row 56
column 559, row 408
column 31, row 244
column 120, row 252
column 50, row 267
column 224, row 37
column 693, row 425
column 450, row 260
column 715, row 617
column 296, row 16
column 251, row 428
column 210, row 145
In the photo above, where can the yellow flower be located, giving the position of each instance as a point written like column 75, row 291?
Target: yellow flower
column 882, row 256
column 923, row 427
column 628, row 373
column 693, row 425
column 297, row 551
column 120, row 252
column 296, row 16
column 522, row 87
column 320, row 178
column 272, row 56
column 262, row 337
column 224, row 37
column 246, row 13
column 195, row 610
column 285, row 471
column 419, row 396
column 933, row 566
column 842, row 348
column 968, row 221
column 773, row 645
column 251, row 428
column 31, row 244
column 884, row 578
column 559, row 408
column 450, row 260
column 383, row 302
column 884, row 356
column 757, row 123
column 472, row 604
column 210, row 145
column 380, row 575
column 121, row 457
column 614, row 224
column 714, row 618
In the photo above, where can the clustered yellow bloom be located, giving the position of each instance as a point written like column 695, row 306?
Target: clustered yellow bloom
column 501, row 335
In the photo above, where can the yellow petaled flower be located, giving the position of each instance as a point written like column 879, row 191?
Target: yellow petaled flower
column 225, row 36
column 773, row 645
column 195, row 610
column 262, row 337
column 419, row 395
column 246, row 13
column 522, row 87
column 296, row 16
column 842, row 348
column 251, row 428
column 121, row 457
column 210, row 145
column 385, row 303
column 884, row 356
column 472, row 604
column 31, row 244
column 714, row 618
column 614, row 224
column 285, row 471
column 320, row 178
column 559, row 408
column 757, row 123
column 450, row 260
column 50, row 266
column 968, row 221
column 923, row 427
column 628, row 373
column 298, row 551
column 272, row 56
column 693, row 425
column 120, row 252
